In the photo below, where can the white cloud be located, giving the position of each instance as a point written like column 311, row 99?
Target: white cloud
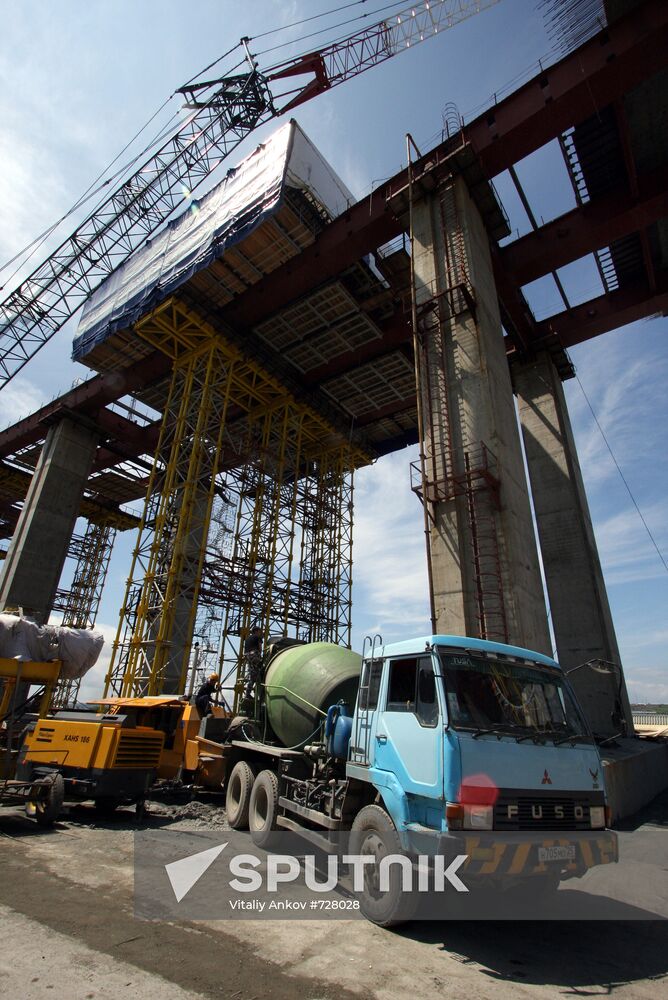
column 92, row 685
column 31, row 197
column 20, row 398
column 390, row 575
column 647, row 685
column 625, row 548
column 624, row 389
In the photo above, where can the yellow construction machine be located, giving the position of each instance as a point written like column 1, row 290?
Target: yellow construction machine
column 41, row 793
column 112, row 758
column 193, row 752
column 112, row 754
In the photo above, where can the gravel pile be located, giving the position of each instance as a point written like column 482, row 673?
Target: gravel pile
column 195, row 815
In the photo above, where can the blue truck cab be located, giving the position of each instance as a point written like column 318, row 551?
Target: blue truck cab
column 483, row 748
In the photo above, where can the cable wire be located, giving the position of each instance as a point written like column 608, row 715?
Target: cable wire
column 305, row 20
column 333, row 27
column 622, row 476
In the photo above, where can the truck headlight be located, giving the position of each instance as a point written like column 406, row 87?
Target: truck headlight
column 597, row 817
column 478, row 817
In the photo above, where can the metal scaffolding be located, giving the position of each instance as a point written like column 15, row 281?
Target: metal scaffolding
column 291, row 568
column 231, row 430
column 79, row 605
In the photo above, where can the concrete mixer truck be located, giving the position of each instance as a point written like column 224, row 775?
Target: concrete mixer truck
column 476, row 747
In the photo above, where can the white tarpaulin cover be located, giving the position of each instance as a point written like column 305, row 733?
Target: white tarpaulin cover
column 78, row 648
column 227, row 214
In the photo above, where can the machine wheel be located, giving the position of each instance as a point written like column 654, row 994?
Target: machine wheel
column 238, row 795
column 263, row 808
column 106, row 805
column 374, row 833
column 47, row 810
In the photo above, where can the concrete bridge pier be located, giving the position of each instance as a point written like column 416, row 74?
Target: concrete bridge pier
column 484, row 559
column 581, row 617
column 31, row 572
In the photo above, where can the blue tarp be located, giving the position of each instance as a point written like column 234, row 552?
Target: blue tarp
column 226, row 215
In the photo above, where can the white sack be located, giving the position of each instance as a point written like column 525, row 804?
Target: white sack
column 78, row 648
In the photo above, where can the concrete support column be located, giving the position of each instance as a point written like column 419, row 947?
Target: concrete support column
column 581, row 616
column 184, row 615
column 31, row 572
column 468, row 416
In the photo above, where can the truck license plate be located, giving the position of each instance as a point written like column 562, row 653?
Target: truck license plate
column 563, row 853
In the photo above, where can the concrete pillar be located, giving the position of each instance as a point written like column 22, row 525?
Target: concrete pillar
column 467, row 402
column 31, row 572
column 581, row 616
column 183, row 619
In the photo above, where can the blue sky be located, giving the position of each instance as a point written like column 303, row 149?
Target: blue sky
column 79, row 80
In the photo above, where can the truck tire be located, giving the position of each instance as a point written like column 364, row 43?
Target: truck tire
column 238, row 795
column 47, row 810
column 373, row 832
column 263, row 808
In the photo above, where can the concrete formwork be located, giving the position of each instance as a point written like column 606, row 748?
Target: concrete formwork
column 579, row 605
column 470, row 392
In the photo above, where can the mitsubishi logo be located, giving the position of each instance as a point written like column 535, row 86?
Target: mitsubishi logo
column 547, row 780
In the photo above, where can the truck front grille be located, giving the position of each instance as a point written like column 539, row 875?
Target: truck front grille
column 138, row 749
column 539, row 812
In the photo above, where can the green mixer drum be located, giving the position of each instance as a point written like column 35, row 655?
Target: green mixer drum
column 318, row 674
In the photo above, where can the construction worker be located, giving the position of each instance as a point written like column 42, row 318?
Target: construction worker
column 253, row 644
column 253, row 656
column 204, row 694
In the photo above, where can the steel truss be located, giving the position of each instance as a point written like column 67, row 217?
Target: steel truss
column 40, row 306
column 79, row 605
column 231, row 429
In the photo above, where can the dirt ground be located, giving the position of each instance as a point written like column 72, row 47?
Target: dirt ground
column 68, row 931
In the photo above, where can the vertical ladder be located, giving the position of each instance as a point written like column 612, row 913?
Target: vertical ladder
column 361, row 742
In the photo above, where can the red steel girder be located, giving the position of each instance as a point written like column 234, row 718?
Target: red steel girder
column 585, row 229
column 602, row 70
column 366, row 226
column 136, row 441
column 596, row 74
column 607, row 312
column 87, row 399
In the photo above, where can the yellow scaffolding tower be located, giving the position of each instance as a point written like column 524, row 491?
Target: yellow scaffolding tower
column 225, row 415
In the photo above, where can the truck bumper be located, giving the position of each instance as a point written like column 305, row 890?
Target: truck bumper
column 523, row 855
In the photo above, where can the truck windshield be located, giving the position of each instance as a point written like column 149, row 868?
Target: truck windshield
column 520, row 699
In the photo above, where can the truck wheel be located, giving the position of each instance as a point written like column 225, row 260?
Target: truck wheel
column 47, row 810
column 263, row 808
column 238, row 795
column 374, row 833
